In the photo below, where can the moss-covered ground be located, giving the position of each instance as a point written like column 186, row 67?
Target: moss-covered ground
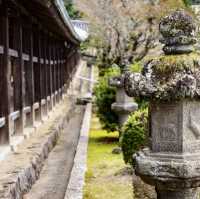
column 107, row 176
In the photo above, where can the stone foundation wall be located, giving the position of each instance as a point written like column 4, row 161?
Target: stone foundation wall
column 20, row 170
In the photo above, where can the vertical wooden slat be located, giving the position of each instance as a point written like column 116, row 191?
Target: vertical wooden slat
column 58, row 68
column 67, row 66
column 44, row 73
column 45, row 66
column 41, row 52
column 61, row 70
column 5, row 73
column 50, row 68
column 54, row 70
column 40, row 71
column 49, row 72
column 37, row 72
column 19, row 79
column 30, row 77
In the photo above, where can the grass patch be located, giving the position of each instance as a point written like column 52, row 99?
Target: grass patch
column 107, row 176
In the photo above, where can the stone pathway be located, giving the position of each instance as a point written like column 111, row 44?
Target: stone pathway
column 56, row 172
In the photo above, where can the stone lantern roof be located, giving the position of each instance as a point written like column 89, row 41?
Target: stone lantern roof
column 176, row 74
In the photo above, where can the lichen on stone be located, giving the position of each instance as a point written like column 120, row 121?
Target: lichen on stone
column 175, row 75
column 166, row 78
column 177, row 24
column 178, row 31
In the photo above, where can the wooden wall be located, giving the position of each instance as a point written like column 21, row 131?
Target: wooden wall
column 36, row 67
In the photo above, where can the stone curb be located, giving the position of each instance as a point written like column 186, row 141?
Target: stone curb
column 77, row 178
column 20, row 182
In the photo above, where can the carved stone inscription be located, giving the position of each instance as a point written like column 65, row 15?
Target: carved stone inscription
column 165, row 128
column 168, row 133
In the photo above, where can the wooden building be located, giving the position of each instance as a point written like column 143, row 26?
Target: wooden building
column 38, row 57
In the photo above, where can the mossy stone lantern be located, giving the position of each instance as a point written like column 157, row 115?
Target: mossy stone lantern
column 171, row 82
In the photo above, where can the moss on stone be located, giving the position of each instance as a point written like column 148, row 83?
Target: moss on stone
column 169, row 64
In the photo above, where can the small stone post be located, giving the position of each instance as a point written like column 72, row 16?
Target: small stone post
column 172, row 84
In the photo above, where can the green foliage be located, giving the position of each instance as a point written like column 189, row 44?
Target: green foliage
column 142, row 103
column 73, row 13
column 187, row 2
column 104, row 97
column 91, row 43
column 134, row 134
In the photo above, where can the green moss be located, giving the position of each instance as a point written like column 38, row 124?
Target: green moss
column 169, row 64
column 136, row 67
column 103, row 177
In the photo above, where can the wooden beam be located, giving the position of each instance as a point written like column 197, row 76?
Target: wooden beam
column 54, row 70
column 18, row 75
column 61, row 71
column 56, row 65
column 30, row 77
column 40, row 70
column 37, row 71
column 5, row 84
column 50, row 67
column 49, row 74
column 44, row 75
column 45, row 66
column 57, row 70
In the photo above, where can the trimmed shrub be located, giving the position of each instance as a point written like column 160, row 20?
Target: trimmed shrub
column 104, row 97
column 134, row 134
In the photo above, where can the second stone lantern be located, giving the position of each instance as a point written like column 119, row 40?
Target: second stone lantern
column 124, row 104
column 171, row 82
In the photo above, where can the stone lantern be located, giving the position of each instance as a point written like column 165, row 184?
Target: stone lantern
column 124, row 104
column 171, row 82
